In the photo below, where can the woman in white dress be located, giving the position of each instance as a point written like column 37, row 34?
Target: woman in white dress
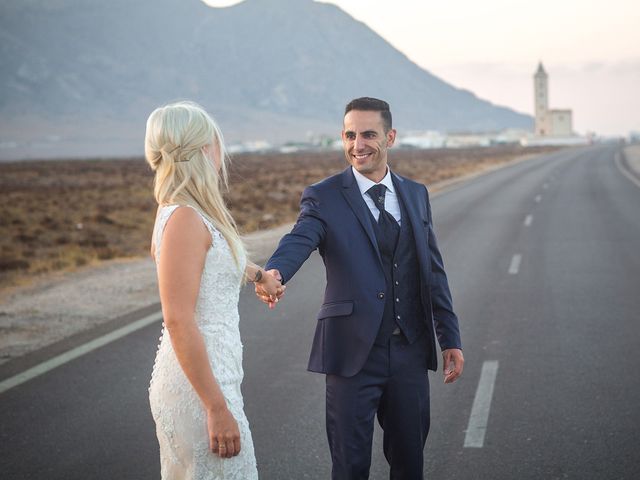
column 194, row 392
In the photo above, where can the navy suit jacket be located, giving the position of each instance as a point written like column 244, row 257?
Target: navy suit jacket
column 334, row 219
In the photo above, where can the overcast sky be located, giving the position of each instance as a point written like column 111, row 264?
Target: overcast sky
column 590, row 49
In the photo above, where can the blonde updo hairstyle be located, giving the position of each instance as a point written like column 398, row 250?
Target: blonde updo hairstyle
column 180, row 143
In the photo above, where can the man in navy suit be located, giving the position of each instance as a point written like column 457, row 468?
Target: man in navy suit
column 387, row 299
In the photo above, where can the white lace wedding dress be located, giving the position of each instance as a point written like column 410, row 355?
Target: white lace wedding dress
column 181, row 423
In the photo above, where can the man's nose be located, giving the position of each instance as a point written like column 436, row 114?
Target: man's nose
column 359, row 142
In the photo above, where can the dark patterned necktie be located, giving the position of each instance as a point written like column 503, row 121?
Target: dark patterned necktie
column 387, row 226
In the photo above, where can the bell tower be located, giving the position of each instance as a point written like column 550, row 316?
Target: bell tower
column 541, row 101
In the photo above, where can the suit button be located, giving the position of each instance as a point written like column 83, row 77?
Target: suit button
column 395, row 265
column 398, row 317
column 397, row 283
column 397, row 299
column 381, row 295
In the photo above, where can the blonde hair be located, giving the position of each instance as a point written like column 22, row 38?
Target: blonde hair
column 179, row 140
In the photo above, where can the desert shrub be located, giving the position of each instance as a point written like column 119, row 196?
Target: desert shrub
column 13, row 264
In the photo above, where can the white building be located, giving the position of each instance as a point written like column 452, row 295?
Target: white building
column 549, row 123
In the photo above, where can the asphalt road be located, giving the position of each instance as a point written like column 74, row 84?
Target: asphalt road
column 544, row 264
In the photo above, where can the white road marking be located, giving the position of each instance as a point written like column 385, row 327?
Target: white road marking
column 477, row 427
column 624, row 170
column 74, row 353
column 528, row 219
column 538, row 198
column 515, row 264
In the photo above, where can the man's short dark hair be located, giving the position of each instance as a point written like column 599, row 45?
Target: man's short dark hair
column 371, row 105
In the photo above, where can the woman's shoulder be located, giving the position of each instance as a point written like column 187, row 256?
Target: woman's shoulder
column 184, row 215
column 178, row 226
column 184, row 218
column 184, row 223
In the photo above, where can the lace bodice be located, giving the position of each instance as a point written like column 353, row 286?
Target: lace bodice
column 217, row 305
column 177, row 410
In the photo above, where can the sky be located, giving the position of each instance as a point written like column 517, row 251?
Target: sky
column 589, row 48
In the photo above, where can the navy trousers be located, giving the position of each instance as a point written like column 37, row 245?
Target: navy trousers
column 394, row 385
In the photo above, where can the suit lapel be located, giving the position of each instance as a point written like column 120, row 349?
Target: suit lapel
column 354, row 198
column 412, row 208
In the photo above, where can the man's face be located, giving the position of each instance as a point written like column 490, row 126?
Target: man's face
column 365, row 143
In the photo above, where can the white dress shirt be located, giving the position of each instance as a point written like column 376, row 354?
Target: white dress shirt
column 391, row 204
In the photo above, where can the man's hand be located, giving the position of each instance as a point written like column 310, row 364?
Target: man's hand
column 453, row 364
column 270, row 300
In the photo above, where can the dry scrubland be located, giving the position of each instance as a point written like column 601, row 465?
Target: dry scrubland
column 61, row 215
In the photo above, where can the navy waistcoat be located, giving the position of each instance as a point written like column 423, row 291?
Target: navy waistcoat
column 403, row 307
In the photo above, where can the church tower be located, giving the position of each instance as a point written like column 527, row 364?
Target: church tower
column 541, row 101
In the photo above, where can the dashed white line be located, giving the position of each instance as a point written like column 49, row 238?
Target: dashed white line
column 528, row 219
column 538, row 198
column 477, row 427
column 74, row 353
column 515, row 264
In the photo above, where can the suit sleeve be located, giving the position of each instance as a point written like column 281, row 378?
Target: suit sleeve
column 307, row 234
column 446, row 321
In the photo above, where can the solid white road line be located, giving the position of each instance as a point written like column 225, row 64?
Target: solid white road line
column 515, row 264
column 477, row 427
column 624, row 170
column 538, row 198
column 74, row 353
column 528, row 220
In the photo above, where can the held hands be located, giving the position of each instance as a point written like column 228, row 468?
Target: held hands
column 224, row 434
column 269, row 289
column 453, row 364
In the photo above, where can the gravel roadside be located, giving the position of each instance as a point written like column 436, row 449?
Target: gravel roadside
column 64, row 304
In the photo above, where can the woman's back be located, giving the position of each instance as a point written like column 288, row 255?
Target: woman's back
column 177, row 410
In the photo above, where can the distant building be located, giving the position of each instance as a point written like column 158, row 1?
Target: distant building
column 549, row 123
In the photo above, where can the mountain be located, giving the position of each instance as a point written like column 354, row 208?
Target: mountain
column 80, row 76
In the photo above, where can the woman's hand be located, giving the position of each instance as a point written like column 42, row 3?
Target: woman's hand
column 270, row 286
column 224, row 434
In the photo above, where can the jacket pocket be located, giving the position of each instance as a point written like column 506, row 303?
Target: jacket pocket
column 335, row 309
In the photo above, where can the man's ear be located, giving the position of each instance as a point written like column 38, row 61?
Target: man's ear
column 391, row 137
